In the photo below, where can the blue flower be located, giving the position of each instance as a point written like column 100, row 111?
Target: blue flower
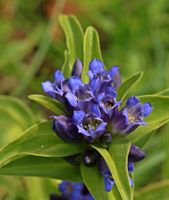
column 130, row 167
column 72, row 191
column 96, row 69
column 77, row 69
column 95, row 114
column 55, row 89
column 65, row 128
column 130, row 117
column 136, row 154
column 105, row 172
column 88, row 125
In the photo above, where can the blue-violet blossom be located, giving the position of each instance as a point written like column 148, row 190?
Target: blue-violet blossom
column 94, row 112
column 72, row 191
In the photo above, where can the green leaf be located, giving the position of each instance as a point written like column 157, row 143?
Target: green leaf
column 154, row 191
column 16, row 109
column 15, row 118
column 165, row 136
column 123, row 90
column 48, row 102
column 35, row 189
column 95, row 183
column 91, row 50
column 117, row 160
column 156, row 119
column 149, row 167
column 146, row 131
column 56, row 168
column 66, row 71
column 74, row 39
column 163, row 92
column 160, row 106
column 115, row 193
column 39, row 140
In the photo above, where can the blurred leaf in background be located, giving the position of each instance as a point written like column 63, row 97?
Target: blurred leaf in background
column 134, row 35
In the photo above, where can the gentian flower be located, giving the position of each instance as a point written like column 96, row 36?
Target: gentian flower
column 95, row 115
column 72, row 191
column 130, row 117
column 55, row 90
column 89, row 126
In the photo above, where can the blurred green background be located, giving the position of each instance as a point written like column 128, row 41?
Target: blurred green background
column 134, row 35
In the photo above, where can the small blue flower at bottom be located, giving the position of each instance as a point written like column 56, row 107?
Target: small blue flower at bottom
column 72, row 191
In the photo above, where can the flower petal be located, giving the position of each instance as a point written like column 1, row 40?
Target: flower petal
column 136, row 154
column 115, row 75
column 132, row 101
column 130, row 167
column 72, row 99
column 96, row 66
column 78, row 116
column 101, row 127
column 58, row 77
column 47, row 87
column 108, row 183
column 77, row 69
column 65, row 128
column 146, row 109
column 75, row 83
column 83, row 131
column 93, row 108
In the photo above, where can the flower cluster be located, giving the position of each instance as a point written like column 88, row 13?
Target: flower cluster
column 95, row 115
column 72, row 191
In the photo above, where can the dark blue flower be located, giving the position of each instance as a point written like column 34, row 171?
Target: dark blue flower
column 89, row 126
column 65, row 128
column 105, row 172
column 72, row 85
column 136, row 154
column 130, row 117
column 90, row 157
column 77, row 69
column 95, row 114
column 55, row 89
column 72, row 191
column 96, row 67
column 130, row 167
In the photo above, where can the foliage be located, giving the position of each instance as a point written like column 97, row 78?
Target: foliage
column 28, row 145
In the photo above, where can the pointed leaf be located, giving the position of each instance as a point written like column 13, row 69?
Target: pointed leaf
column 39, row 140
column 123, row 90
column 154, row 191
column 91, row 50
column 17, row 110
column 160, row 106
column 74, row 39
column 56, row 168
column 163, row 92
column 65, row 68
column 51, row 104
column 115, row 193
